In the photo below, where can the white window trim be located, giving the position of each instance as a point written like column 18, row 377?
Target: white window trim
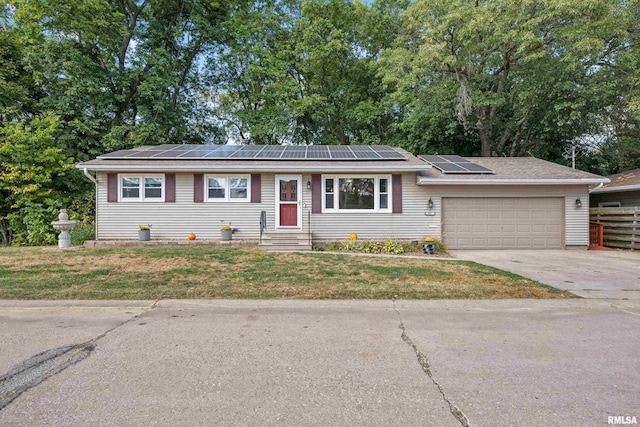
column 141, row 197
column 609, row 205
column 376, row 192
column 227, row 189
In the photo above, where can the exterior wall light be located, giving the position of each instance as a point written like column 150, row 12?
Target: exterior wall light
column 578, row 203
column 308, row 184
column 430, row 203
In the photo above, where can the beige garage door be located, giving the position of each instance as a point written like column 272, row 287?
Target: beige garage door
column 502, row 223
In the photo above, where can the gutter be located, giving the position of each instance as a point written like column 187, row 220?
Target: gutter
column 616, row 189
column 253, row 169
column 88, row 175
column 95, row 183
column 423, row 181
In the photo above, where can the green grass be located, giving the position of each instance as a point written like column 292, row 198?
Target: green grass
column 224, row 272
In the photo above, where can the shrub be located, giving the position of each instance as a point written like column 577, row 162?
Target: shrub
column 81, row 232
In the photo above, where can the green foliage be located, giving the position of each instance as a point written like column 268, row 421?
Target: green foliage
column 82, row 77
column 35, row 178
column 81, row 232
column 374, row 247
column 516, row 75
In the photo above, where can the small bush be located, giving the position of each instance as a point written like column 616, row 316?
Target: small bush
column 386, row 247
column 373, row 247
column 82, row 232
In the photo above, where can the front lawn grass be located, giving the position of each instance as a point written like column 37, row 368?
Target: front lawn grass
column 227, row 272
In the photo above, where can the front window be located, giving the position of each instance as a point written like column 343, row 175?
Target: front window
column 227, row 188
column 238, row 188
column 356, row 193
column 142, row 188
column 329, row 194
column 153, row 188
column 216, row 188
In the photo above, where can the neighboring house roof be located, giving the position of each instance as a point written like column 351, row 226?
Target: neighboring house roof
column 624, row 181
column 404, row 163
column 512, row 171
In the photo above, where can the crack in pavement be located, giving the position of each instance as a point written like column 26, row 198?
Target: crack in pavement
column 42, row 366
column 423, row 360
column 623, row 310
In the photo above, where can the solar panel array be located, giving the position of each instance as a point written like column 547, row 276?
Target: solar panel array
column 257, row 152
column 455, row 164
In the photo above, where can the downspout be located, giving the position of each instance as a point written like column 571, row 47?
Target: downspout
column 597, row 188
column 95, row 182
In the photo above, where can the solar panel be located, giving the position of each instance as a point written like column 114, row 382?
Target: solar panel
column 258, row 152
column 117, row 154
column 195, row 154
column 145, row 154
column 448, row 167
column 269, row 153
column 318, row 152
column 341, row 154
column 431, row 158
column 391, row 155
column 247, row 151
column 454, row 158
column 455, row 164
column 294, row 152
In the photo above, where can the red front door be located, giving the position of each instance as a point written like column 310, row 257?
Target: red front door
column 288, row 203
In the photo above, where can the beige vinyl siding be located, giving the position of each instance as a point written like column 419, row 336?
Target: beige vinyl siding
column 575, row 224
column 626, row 198
column 577, row 218
column 412, row 223
column 176, row 220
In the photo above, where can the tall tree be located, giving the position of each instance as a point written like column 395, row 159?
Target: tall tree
column 512, row 73
column 119, row 73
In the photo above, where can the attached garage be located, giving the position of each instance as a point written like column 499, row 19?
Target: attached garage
column 502, row 223
column 506, row 203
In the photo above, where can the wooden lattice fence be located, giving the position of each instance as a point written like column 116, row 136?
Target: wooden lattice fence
column 621, row 226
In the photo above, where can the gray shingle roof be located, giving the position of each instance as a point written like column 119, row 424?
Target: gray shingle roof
column 512, row 168
column 629, row 180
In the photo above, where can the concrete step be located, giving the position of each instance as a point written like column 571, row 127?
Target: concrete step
column 286, row 248
column 286, row 241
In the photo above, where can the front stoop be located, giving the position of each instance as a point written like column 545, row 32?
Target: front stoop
column 286, row 241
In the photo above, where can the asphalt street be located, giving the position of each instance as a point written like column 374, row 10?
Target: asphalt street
column 255, row 363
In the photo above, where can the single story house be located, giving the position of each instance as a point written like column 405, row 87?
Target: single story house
column 623, row 191
column 330, row 192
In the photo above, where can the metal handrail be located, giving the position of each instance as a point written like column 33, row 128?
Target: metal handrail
column 309, row 226
column 263, row 223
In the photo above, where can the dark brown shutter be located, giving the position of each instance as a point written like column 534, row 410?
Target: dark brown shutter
column 112, row 187
column 316, row 194
column 198, row 188
column 256, row 187
column 170, row 188
column 396, row 188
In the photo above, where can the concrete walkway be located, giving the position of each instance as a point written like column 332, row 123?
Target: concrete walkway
column 589, row 274
column 291, row 363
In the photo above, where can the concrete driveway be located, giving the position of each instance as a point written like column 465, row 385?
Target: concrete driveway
column 325, row 363
column 589, row 274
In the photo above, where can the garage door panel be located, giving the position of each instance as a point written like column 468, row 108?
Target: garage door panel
column 510, row 223
column 508, row 228
column 523, row 228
